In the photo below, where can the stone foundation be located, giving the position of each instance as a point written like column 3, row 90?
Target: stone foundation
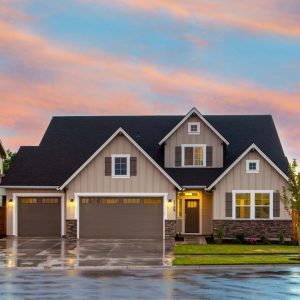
column 71, row 229
column 254, row 228
column 170, row 229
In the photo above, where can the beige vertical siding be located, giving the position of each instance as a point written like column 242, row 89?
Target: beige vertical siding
column 181, row 136
column 9, row 209
column 207, row 214
column 237, row 179
column 148, row 180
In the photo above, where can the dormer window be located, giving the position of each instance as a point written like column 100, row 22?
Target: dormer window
column 193, row 128
column 252, row 166
column 193, row 155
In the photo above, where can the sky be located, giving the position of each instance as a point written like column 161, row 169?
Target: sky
column 141, row 57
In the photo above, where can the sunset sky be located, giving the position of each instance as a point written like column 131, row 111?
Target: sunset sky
column 93, row 57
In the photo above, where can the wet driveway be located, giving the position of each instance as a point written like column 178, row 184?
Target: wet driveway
column 85, row 253
column 264, row 282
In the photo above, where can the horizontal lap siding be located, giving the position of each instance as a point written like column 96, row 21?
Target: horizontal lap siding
column 180, row 136
column 237, row 179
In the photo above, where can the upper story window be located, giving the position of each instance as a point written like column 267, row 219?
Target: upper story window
column 120, row 165
column 252, row 166
column 193, row 155
column 193, row 128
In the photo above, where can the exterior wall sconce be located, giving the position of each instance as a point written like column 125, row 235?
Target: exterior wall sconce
column 71, row 202
column 10, row 202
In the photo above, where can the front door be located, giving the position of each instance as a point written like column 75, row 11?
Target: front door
column 192, row 216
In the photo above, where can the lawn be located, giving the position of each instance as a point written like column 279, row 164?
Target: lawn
column 214, row 249
column 235, row 260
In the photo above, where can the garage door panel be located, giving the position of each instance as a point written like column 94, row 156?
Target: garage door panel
column 39, row 217
column 119, row 220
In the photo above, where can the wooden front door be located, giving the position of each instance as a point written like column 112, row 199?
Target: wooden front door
column 192, row 216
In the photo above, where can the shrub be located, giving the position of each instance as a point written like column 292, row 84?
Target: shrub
column 281, row 238
column 251, row 240
column 219, row 235
column 265, row 240
column 240, row 237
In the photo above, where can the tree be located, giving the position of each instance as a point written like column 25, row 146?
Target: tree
column 8, row 160
column 291, row 195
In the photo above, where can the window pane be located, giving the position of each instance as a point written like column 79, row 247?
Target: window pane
column 198, row 156
column 194, row 127
column 262, row 199
column 252, row 166
column 121, row 166
column 242, row 212
column 188, row 156
column 262, row 212
column 243, row 199
column 179, row 208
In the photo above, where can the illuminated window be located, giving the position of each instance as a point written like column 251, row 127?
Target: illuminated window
column 179, row 208
column 131, row 201
column 152, row 201
column 110, row 201
column 28, row 200
column 242, row 206
column 193, row 155
column 262, row 206
column 50, row 201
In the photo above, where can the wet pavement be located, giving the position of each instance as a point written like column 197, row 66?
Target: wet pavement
column 83, row 253
column 263, row 282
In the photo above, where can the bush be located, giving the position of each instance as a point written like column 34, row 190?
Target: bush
column 265, row 240
column 281, row 238
column 251, row 240
column 240, row 238
column 219, row 235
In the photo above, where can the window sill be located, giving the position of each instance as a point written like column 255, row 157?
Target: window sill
column 120, row 177
column 252, row 172
column 194, row 133
column 252, row 219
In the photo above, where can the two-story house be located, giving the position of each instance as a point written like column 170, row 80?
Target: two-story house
column 150, row 177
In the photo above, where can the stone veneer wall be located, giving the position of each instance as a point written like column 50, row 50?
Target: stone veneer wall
column 71, row 229
column 170, row 229
column 254, row 228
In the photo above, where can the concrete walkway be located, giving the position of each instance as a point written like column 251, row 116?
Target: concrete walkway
column 85, row 253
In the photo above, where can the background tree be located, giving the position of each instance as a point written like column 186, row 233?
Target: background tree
column 291, row 195
column 8, row 160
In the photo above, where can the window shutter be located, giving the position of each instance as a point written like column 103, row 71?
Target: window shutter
column 276, row 205
column 178, row 156
column 209, row 154
column 107, row 166
column 133, row 166
column 228, row 205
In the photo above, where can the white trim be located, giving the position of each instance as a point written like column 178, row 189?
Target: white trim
column 15, row 208
column 121, row 131
column 194, row 110
column 253, row 146
column 190, row 124
column 252, row 203
column 248, row 162
column 183, row 146
column 28, row 187
column 161, row 195
column 113, row 171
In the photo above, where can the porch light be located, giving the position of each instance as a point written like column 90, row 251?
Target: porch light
column 71, row 202
column 188, row 194
column 10, row 202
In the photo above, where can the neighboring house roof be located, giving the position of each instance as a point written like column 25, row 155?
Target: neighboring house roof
column 190, row 113
column 2, row 150
column 70, row 141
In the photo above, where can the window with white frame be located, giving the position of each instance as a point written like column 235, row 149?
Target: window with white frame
column 252, row 166
column 120, row 165
column 193, row 128
column 193, row 155
column 252, row 204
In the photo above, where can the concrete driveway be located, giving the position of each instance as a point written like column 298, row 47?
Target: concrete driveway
column 88, row 253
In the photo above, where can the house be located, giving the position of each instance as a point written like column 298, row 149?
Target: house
column 150, row 177
column 2, row 193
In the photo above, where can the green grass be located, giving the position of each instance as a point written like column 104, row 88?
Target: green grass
column 235, row 260
column 214, row 249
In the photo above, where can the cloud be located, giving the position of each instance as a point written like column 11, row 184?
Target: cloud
column 268, row 16
column 58, row 80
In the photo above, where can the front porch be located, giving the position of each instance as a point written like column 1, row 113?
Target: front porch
column 194, row 213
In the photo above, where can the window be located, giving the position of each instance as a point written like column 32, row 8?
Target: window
column 193, row 155
column 152, row 201
column 120, row 165
column 131, row 201
column 194, row 128
column 252, row 204
column 252, row 166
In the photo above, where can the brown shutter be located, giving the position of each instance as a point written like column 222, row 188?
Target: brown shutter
column 276, row 205
column 209, row 156
column 178, row 156
column 107, row 166
column 228, row 205
column 133, row 166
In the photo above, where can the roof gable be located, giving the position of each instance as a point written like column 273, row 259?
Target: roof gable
column 116, row 133
column 202, row 118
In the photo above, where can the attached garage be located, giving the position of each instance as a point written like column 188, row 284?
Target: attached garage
column 39, row 216
column 121, row 217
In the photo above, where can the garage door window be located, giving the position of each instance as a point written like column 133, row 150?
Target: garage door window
column 28, row 200
column 131, row 201
column 49, row 200
column 152, row 201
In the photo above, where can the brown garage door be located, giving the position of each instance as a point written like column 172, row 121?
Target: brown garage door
column 121, row 218
column 39, row 217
